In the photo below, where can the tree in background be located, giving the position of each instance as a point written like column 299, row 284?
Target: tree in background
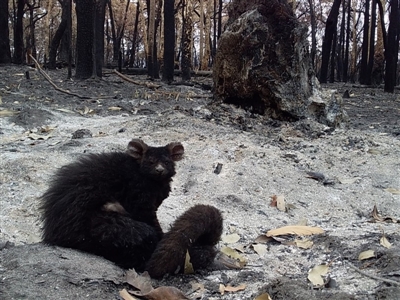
column 330, row 32
column 392, row 50
column 169, row 41
column 5, row 53
column 19, row 33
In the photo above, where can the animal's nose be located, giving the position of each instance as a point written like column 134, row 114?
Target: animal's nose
column 160, row 169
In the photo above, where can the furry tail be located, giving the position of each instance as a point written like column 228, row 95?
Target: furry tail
column 197, row 230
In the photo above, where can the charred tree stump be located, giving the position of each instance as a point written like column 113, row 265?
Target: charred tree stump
column 263, row 64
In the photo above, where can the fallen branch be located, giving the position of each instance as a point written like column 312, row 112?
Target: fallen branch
column 47, row 77
column 145, row 84
column 373, row 276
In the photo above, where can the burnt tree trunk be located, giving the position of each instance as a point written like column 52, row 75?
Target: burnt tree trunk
column 313, row 32
column 18, row 57
column 330, row 30
column 365, row 46
column 268, row 69
column 371, row 51
column 169, row 41
column 135, row 35
column 348, row 33
column 391, row 52
column 84, row 39
column 5, row 53
column 187, row 25
column 55, row 42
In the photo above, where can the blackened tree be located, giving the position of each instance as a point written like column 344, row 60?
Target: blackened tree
column 169, row 41
column 5, row 53
column 365, row 46
column 61, row 30
column 392, row 49
column 330, row 30
column 18, row 57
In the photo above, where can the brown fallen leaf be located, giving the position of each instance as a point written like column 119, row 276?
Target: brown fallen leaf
column 295, row 229
column 264, row 296
column 223, row 288
column 273, row 201
column 140, row 282
column 262, row 239
column 378, row 218
column 235, row 255
column 166, row 293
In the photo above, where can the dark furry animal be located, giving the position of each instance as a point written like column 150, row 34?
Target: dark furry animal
column 106, row 204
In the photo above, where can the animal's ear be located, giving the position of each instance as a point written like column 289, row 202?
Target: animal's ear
column 136, row 148
column 176, row 150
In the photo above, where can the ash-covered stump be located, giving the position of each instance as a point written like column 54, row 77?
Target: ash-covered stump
column 263, row 64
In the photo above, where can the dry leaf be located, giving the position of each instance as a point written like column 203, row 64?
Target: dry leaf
column 260, row 249
column 141, row 282
column 274, row 199
column 377, row 217
column 264, row 296
column 304, row 244
column 8, row 113
column 34, row 136
column 65, row 110
column 188, row 269
column 166, row 293
column 125, row 295
column 385, row 243
column 114, row 108
column 366, row 255
column 349, row 180
column 393, row 191
column 295, row 229
column 316, row 273
column 231, row 238
column 235, row 255
column 262, row 239
column 281, row 203
column 223, row 289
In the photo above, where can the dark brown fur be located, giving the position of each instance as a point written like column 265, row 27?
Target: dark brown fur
column 106, row 204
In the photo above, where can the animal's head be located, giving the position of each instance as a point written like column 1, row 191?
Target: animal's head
column 157, row 162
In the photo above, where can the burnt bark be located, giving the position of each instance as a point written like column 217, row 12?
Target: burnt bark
column 365, row 46
column 391, row 52
column 187, row 25
column 330, row 30
column 5, row 53
column 135, row 35
column 347, row 50
column 84, row 38
column 371, row 51
column 55, row 42
column 267, row 70
column 18, row 57
column 169, row 41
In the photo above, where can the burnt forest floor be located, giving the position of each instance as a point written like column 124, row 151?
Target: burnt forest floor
column 355, row 168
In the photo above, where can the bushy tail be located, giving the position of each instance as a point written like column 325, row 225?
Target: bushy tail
column 198, row 230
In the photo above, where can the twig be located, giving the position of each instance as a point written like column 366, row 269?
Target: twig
column 47, row 77
column 373, row 276
column 145, row 84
